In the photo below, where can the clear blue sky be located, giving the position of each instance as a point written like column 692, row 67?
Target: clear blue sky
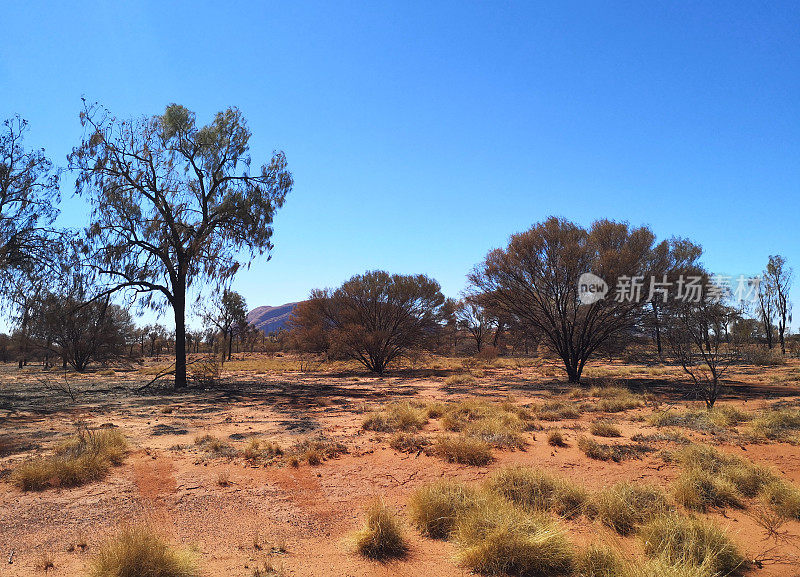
column 422, row 134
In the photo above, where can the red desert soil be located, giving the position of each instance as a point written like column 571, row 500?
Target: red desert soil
column 173, row 484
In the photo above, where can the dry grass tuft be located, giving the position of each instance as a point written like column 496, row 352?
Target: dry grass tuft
column 88, row 456
column 556, row 439
column 692, row 542
column 604, row 429
column 396, row 416
column 382, row 536
column 558, row 411
column 463, row 449
column 776, row 424
column 463, row 379
column 536, row 490
column 139, row 551
column 614, row 399
column 259, row 451
column 616, row 453
column 433, row 509
column 214, row 446
column 599, row 561
column 495, row 538
column 408, row 442
column 625, row 506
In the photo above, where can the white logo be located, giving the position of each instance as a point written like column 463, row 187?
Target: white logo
column 591, row 288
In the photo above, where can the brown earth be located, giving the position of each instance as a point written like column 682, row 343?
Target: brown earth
column 173, row 484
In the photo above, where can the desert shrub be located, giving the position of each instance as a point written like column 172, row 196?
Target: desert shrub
column 462, row 379
column 625, row 506
column 692, row 542
column 87, row 456
column 382, row 536
column 433, row 509
column 463, row 449
column 728, row 415
column 458, row 416
column 139, row 551
column 761, row 356
column 495, row 538
column 616, row 453
column 408, row 442
column 558, row 411
column 536, row 490
column 556, row 439
column 503, row 431
column 699, row 490
column 614, row 399
column 776, row 424
column 604, row 429
column 435, row 409
column 317, row 450
column 694, row 420
column 214, row 446
column 782, row 498
column 397, row 416
column 664, row 568
column 260, row 451
column 665, row 436
column 598, row 561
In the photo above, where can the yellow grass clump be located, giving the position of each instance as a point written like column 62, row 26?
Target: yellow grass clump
column 625, row 506
column 138, row 551
column 463, row 449
column 536, row 490
column 88, row 456
column 382, row 536
column 433, row 509
column 396, row 416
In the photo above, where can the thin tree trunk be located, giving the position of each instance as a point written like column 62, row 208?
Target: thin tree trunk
column 180, row 338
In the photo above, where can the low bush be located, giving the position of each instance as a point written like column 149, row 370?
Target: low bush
column 382, row 536
column 463, row 449
column 692, row 542
column 408, row 442
column 700, row 490
column 214, row 446
column 536, row 490
column 139, row 551
column 397, row 416
column 88, row 456
column 556, row 439
column 558, row 411
column 498, row 539
column 433, row 509
column 603, row 452
column 625, row 506
column 604, row 429
column 259, row 451
column 599, row 561
column 776, row 424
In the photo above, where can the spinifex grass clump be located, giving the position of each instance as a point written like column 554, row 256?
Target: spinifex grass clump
column 382, row 536
column 536, row 490
column 499, row 424
column 463, row 449
column 87, row 456
column 496, row 538
column 625, row 506
column 397, row 416
column 433, row 509
column 692, row 542
column 712, row 478
column 138, row 551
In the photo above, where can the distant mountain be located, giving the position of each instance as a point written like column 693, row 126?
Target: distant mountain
column 271, row 319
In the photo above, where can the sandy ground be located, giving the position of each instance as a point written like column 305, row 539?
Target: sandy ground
column 311, row 511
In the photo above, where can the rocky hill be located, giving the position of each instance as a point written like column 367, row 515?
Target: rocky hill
column 271, row 319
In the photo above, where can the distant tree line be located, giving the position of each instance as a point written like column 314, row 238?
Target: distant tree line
column 177, row 207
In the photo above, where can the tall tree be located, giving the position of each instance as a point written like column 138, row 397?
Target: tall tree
column 475, row 319
column 535, row 281
column 779, row 276
column 766, row 301
column 175, row 205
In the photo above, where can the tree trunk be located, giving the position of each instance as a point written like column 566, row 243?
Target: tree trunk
column 230, row 342
column 180, row 338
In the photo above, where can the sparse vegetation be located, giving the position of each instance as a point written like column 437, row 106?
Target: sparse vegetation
column 625, row 506
column 139, row 551
column 603, row 452
column 599, row 561
column 604, row 429
column 536, row 490
column 88, row 456
column 495, row 538
column 433, row 509
column 408, row 442
column 397, row 416
column 382, row 536
column 557, row 411
column 556, row 439
column 463, row 449
column 693, row 542
column 215, row 447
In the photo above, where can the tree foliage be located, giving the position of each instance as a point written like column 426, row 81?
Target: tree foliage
column 374, row 318
column 174, row 205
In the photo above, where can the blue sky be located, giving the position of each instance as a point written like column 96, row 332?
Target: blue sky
column 422, row 134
